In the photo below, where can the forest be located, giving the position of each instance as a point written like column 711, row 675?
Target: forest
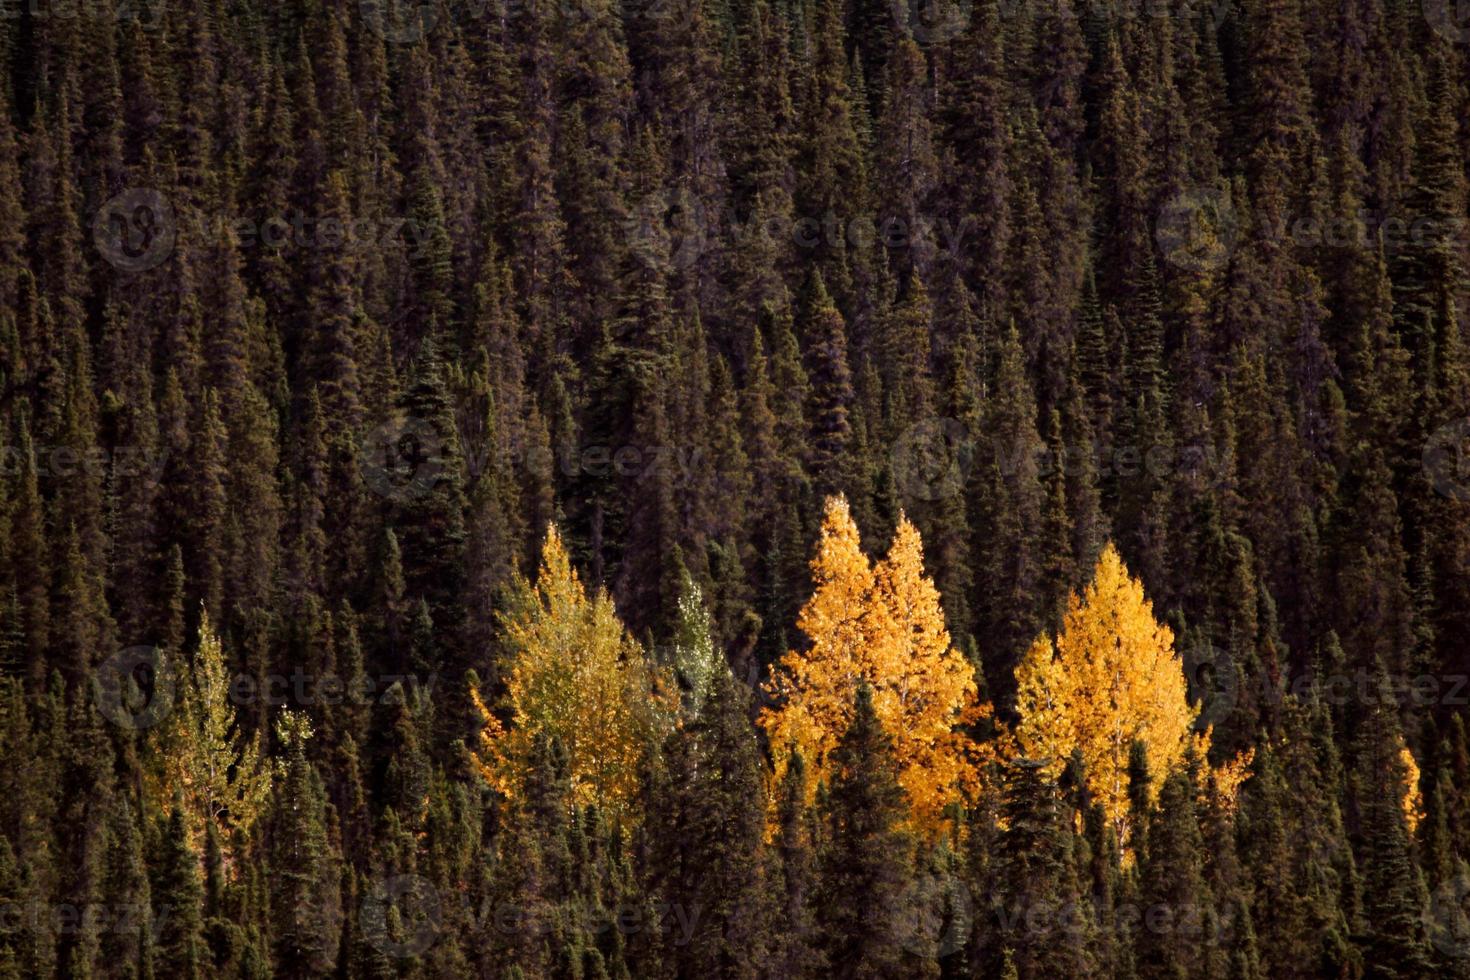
column 659, row 489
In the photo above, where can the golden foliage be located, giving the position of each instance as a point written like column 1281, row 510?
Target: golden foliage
column 1413, row 799
column 200, row 755
column 883, row 625
column 1222, row 784
column 574, row 674
column 1110, row 677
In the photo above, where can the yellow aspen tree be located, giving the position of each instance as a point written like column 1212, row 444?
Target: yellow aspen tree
column 882, row 625
column 1109, row 678
column 201, row 753
column 574, row 674
column 928, row 689
column 815, row 688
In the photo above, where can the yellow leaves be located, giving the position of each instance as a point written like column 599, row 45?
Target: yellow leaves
column 576, row 675
column 883, row 625
column 1413, row 799
column 1222, row 787
column 1110, row 677
column 201, row 756
column 1046, row 730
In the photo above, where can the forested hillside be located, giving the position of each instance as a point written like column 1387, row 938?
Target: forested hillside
column 645, row 489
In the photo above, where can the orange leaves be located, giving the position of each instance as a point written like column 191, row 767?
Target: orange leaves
column 1110, row 677
column 884, row 625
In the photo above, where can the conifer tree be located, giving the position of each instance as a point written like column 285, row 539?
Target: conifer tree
column 708, row 830
column 1036, row 900
column 178, row 895
column 866, row 865
column 305, row 875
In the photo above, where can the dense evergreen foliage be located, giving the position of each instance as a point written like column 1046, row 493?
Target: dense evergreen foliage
column 419, row 421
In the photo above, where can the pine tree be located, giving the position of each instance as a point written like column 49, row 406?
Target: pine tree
column 708, row 830
column 1005, row 496
column 1172, row 883
column 178, row 896
column 1394, row 945
column 866, row 865
column 1036, row 899
column 305, row 874
column 824, row 338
